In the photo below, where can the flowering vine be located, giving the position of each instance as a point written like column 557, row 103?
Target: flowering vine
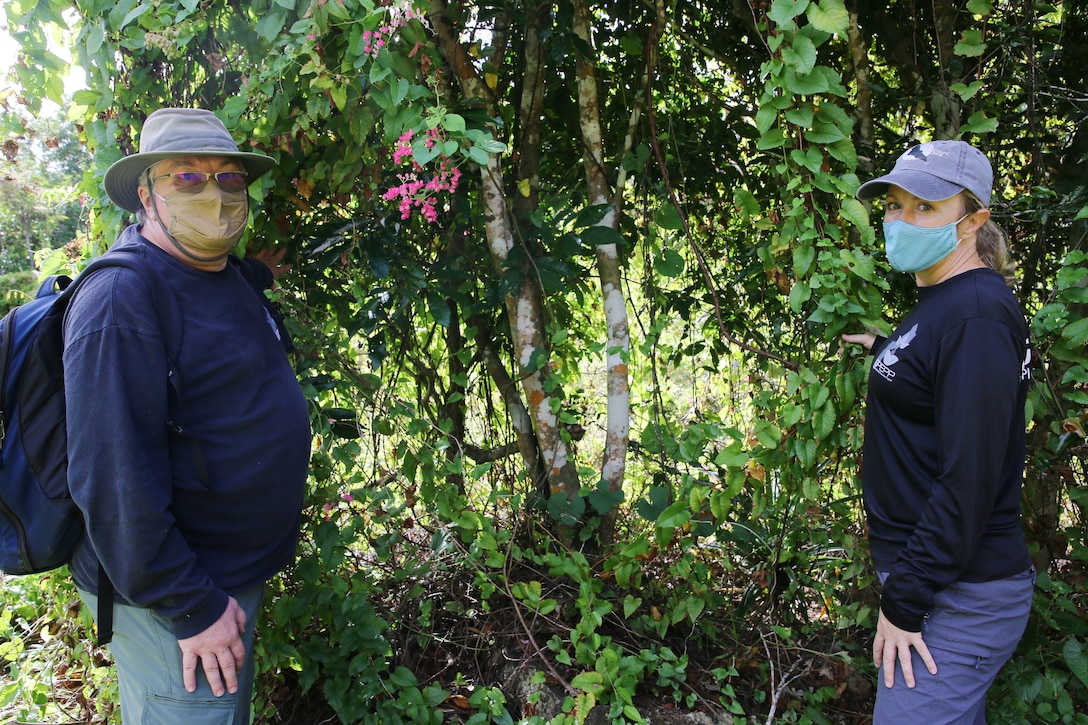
column 416, row 191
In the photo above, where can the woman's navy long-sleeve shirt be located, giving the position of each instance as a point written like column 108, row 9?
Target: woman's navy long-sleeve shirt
column 945, row 444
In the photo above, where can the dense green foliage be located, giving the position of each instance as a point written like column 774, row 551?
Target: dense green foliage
column 481, row 532
column 40, row 206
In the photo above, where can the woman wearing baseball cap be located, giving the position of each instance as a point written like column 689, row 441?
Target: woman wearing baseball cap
column 945, row 445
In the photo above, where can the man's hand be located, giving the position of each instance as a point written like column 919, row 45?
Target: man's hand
column 273, row 259
column 892, row 643
column 865, row 339
column 219, row 648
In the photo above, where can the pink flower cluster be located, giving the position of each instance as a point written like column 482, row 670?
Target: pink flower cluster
column 375, row 40
column 413, row 191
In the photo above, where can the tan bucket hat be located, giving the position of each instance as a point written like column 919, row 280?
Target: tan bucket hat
column 171, row 132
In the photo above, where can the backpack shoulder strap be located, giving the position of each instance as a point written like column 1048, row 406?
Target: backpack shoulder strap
column 163, row 299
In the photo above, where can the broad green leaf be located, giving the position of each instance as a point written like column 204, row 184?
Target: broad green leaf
column 800, row 116
column 980, row 123
column 784, row 11
column 1077, row 333
column 823, row 420
column 668, row 217
column 803, row 257
column 801, row 56
column 339, row 96
column 588, row 682
column 749, row 206
column 768, row 434
column 670, row 263
column 133, row 14
column 971, row 45
column 598, row 235
column 270, row 25
column 766, row 117
column 966, row 92
column 439, row 309
column 675, row 515
column 403, row 677
column 1076, row 658
column 829, row 16
column 854, row 212
column 453, row 123
column 96, row 34
column 806, row 84
column 771, row 140
column 980, row 7
column 800, row 293
column 490, row 145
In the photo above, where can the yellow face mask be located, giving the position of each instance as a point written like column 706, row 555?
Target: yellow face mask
column 206, row 225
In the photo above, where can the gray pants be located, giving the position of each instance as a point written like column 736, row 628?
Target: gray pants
column 149, row 676
column 971, row 632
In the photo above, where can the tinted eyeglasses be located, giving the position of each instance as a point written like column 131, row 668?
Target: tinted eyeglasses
column 194, row 181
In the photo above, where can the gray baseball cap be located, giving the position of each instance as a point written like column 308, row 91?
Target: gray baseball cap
column 936, row 171
column 171, row 132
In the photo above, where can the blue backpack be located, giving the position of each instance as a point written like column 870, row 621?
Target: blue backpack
column 39, row 523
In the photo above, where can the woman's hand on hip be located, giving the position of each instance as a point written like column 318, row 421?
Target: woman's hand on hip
column 891, row 644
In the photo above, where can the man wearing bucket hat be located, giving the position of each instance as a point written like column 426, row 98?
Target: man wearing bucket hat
column 188, row 524
column 945, row 445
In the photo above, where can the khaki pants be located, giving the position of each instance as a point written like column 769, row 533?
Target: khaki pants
column 149, row 676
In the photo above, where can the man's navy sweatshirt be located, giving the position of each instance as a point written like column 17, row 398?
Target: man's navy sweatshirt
column 945, row 444
column 167, row 540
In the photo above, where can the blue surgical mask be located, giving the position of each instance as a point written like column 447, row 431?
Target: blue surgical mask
column 912, row 248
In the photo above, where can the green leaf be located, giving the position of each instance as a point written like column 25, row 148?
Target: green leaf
column 453, row 123
column 1076, row 658
column 823, row 421
column 771, row 140
column 96, row 35
column 803, row 257
column 980, row 7
column 670, row 263
column 971, row 45
column 980, row 123
column 768, row 434
column 800, row 293
column 133, row 14
column 339, row 96
column 603, row 500
column 748, row 205
column 439, row 309
column 784, row 11
column 966, row 92
column 766, row 117
column 589, row 682
column 806, row 84
column 675, row 515
column 829, row 16
column 801, row 56
column 270, row 25
column 668, row 217
column 1077, row 333
column 599, row 235
column 490, row 145
column 403, row 677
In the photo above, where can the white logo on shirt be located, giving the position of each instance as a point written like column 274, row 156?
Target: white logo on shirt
column 888, row 357
column 1025, row 368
